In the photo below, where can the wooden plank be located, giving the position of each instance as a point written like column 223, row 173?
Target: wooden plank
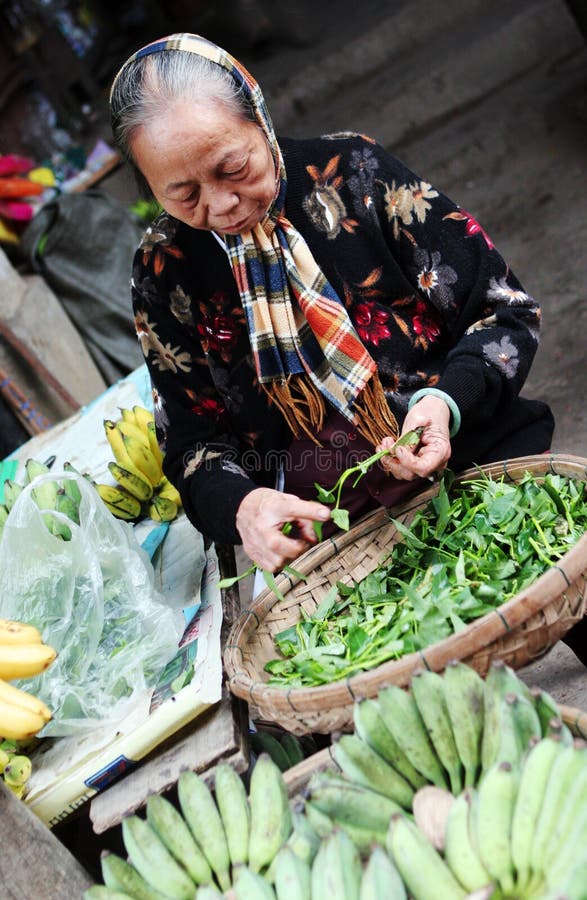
column 221, row 733
column 33, row 862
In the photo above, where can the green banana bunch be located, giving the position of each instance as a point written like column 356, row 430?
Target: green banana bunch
column 463, row 690
column 293, row 876
column 153, row 861
column 119, row 875
column 425, row 873
column 381, row 879
column 362, row 765
column 171, row 827
column 403, row 719
column 137, row 469
column 235, row 812
column 58, row 499
column 369, row 721
column 202, row 815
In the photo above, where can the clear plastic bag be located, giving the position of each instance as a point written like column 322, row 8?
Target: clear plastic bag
column 93, row 599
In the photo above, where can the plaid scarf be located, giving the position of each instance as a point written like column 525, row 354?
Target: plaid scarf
column 304, row 345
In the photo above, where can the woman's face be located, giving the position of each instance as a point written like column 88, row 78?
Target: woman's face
column 207, row 167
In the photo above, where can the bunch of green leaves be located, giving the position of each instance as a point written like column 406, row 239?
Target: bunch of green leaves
column 468, row 550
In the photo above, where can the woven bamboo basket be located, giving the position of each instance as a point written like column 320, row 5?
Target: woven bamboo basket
column 519, row 631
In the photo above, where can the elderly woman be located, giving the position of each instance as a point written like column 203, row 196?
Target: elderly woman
column 302, row 302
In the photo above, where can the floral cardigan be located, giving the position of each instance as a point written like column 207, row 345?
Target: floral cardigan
column 428, row 293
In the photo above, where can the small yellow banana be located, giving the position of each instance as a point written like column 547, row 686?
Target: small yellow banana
column 18, row 723
column 161, row 509
column 24, row 661
column 142, row 417
column 18, row 771
column 127, row 415
column 114, row 438
column 143, row 459
column 130, row 430
column 154, row 442
column 12, row 632
column 119, row 502
column 169, row 491
column 12, row 694
column 137, row 485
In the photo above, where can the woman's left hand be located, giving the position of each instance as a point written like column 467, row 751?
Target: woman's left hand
column 432, row 453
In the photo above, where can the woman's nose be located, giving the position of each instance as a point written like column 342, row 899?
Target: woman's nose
column 220, row 200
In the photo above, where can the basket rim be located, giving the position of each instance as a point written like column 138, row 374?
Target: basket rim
column 492, row 625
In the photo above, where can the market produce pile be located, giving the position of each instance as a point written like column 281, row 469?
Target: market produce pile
column 454, row 786
column 468, row 550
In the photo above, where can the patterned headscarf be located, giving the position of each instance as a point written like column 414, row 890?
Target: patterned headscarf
column 305, row 347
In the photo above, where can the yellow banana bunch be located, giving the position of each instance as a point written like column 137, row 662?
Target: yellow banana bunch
column 141, row 487
column 22, row 655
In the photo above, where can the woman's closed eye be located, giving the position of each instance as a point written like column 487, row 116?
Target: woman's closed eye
column 236, row 171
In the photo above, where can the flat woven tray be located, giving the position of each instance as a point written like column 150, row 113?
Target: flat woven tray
column 518, row 632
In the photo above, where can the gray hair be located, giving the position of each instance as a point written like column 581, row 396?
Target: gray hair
column 145, row 88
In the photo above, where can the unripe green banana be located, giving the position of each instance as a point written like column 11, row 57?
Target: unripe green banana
column 526, row 721
column 573, row 886
column 151, row 858
column 3, row 514
column 405, row 723
column 293, row 748
column 44, row 493
column 249, row 885
column 425, row 873
column 133, row 483
column 66, row 506
column 201, row 814
column 304, row 841
column 18, row 770
column 71, row 488
column 292, row 876
column 209, row 892
column 101, row 892
column 464, row 693
column 371, row 727
column 57, row 526
column 33, row 468
column 119, row 875
column 361, row 812
column 555, row 727
column 173, row 830
column 564, row 771
column 12, row 491
column 336, row 871
column 570, row 853
column 271, row 818
column 492, row 822
column 430, row 696
column 233, row 806
column 320, row 821
column 531, row 791
column 499, row 681
column 381, row 879
column 361, row 764
column 459, row 852
column 264, row 742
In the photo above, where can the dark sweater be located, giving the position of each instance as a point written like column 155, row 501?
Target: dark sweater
column 431, row 298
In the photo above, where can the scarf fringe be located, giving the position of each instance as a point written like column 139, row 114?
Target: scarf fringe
column 304, row 409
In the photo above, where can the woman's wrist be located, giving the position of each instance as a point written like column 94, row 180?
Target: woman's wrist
column 455, row 413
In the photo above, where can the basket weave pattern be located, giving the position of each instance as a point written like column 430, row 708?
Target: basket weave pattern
column 518, row 632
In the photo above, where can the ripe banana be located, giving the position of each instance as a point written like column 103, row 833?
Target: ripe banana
column 11, row 694
column 203, row 818
column 12, row 632
column 24, row 660
column 425, row 873
column 142, row 459
column 464, row 690
column 161, row 509
column 18, row 723
column 336, row 870
column 119, row 502
column 119, row 875
column 130, row 429
column 381, row 879
column 142, row 417
column 127, row 415
column 292, row 876
column 173, row 830
column 430, row 696
column 531, row 791
column 233, row 806
column 370, row 726
column 132, row 483
column 151, row 858
column 405, row 723
column 361, row 764
column 271, row 818
column 492, row 822
column 459, row 852
column 114, row 438
column 154, row 442
column 166, row 489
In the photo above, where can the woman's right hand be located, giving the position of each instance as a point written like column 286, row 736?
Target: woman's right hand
column 260, row 519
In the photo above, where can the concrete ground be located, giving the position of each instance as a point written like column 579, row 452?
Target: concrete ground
column 489, row 103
